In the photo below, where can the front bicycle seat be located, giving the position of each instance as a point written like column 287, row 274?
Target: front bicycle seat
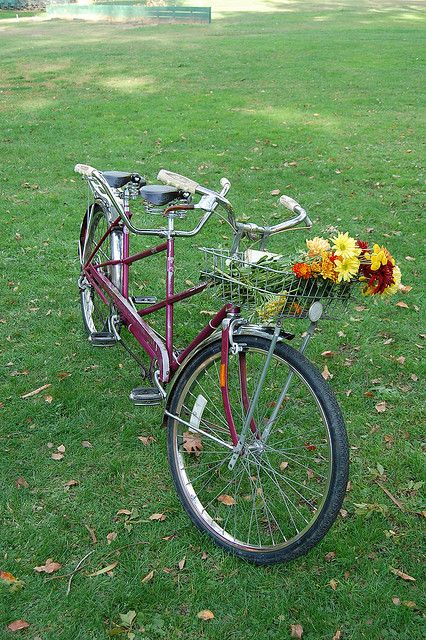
column 117, row 179
column 159, row 194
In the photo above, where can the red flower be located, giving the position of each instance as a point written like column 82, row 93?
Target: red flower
column 379, row 280
column 302, row 270
column 363, row 246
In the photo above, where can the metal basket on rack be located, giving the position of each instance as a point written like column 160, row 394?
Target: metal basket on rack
column 269, row 290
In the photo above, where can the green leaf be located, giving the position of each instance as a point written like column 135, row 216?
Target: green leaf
column 128, row 618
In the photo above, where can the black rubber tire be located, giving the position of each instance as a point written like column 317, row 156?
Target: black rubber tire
column 98, row 217
column 339, row 457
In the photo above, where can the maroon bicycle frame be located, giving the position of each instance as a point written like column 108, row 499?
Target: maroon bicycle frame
column 163, row 352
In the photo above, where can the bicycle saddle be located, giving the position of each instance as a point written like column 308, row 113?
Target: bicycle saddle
column 117, row 179
column 159, row 194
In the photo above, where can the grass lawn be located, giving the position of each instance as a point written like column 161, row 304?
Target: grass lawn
column 320, row 100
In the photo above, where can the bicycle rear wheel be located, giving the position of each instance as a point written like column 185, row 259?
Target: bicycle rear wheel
column 283, row 494
column 96, row 313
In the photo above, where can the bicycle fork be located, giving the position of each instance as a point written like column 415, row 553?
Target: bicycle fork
column 229, row 346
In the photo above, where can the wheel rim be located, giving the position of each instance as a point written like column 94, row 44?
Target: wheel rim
column 277, row 491
column 96, row 312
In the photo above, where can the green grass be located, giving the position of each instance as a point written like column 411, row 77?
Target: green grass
column 336, row 90
column 5, row 13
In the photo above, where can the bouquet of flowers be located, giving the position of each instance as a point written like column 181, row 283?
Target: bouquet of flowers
column 326, row 271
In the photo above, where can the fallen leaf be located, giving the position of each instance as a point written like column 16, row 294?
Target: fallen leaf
column 404, row 289
column 204, row 555
column 21, row 482
column 343, row 513
column 410, row 604
column 413, row 377
column 8, row 577
column 92, row 534
column 57, row 456
column 158, row 517
column 396, row 601
column 36, row 391
column 326, row 373
column 410, row 258
column 181, row 563
column 71, row 483
column 124, row 512
column 106, row 569
column 146, row 440
column 284, row 465
column 275, row 192
column 49, row 567
column 402, row 575
column 337, row 635
column 63, row 374
column 401, row 359
column 61, row 448
column 333, row 584
column 192, row 443
column 296, row 631
column 381, row 407
column 17, row 625
column 205, row 614
column 330, row 556
column 86, row 444
column 48, row 399
column 403, row 305
column 149, row 576
column 225, row 499
column 127, row 619
column 328, row 354
column 111, row 536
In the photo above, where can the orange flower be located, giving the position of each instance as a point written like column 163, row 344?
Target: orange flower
column 327, row 267
column 302, row 270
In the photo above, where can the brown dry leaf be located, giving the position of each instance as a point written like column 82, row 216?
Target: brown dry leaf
column 343, row 513
column 92, row 534
column 413, row 377
column 410, row 258
column 8, row 577
column 403, row 305
column 396, row 601
column 402, row 575
column 17, row 625
column 204, row 555
column 205, row 614
column 158, row 517
column 275, row 192
column 337, row 635
column 284, row 465
column 225, row 499
column 106, row 569
column 36, row 391
column 57, row 456
column 404, row 288
column 181, row 563
column 146, row 440
column 401, row 359
column 48, row 567
column 326, row 373
column 310, row 473
column 71, row 483
column 48, row 399
column 333, row 584
column 111, row 536
column 410, row 604
column 296, row 631
column 192, row 443
column 61, row 448
column 21, row 482
column 149, row 576
column 63, row 374
column 124, row 512
column 330, row 556
column 86, row 444
column 328, row 354
column 381, row 407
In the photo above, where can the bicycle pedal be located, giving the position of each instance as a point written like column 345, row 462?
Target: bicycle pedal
column 102, row 339
column 145, row 396
column 145, row 299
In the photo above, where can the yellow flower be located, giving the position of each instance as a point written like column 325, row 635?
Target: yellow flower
column 272, row 308
column 347, row 269
column 345, row 246
column 316, row 246
column 389, row 291
column 379, row 256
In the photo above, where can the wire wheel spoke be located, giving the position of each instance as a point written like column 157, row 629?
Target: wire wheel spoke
column 276, row 491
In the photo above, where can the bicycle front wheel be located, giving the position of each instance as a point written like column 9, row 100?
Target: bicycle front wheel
column 96, row 311
column 285, row 490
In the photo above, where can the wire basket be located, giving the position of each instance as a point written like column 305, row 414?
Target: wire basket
column 269, row 291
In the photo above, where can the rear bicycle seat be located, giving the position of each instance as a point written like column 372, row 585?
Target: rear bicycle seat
column 159, row 194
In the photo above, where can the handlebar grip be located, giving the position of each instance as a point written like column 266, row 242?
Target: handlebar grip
column 84, row 170
column 178, row 181
column 289, row 203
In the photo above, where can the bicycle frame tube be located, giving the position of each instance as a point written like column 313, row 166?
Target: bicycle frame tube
column 162, row 352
